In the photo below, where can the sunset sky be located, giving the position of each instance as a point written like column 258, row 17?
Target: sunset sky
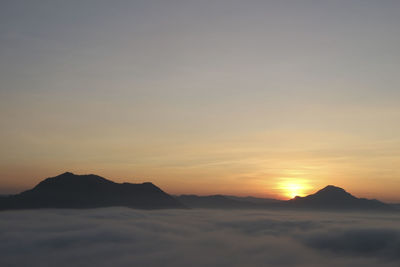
column 259, row 98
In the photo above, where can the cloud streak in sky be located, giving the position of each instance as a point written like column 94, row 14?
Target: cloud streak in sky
column 126, row 237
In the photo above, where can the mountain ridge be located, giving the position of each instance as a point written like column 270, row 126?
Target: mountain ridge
column 336, row 198
column 68, row 190
column 328, row 198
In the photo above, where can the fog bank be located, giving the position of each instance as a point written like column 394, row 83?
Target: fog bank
column 127, row 237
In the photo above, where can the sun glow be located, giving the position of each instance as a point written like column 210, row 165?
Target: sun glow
column 293, row 188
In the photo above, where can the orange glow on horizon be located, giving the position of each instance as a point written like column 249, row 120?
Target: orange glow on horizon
column 291, row 188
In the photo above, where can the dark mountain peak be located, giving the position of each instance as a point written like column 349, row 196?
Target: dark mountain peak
column 333, row 197
column 69, row 180
column 150, row 184
column 332, row 187
column 69, row 190
column 329, row 193
column 145, row 186
column 67, row 174
column 333, row 191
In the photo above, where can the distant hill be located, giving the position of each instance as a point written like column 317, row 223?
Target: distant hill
column 328, row 198
column 336, row 198
column 255, row 200
column 89, row 191
column 226, row 202
column 213, row 201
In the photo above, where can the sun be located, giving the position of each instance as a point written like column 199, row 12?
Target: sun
column 291, row 189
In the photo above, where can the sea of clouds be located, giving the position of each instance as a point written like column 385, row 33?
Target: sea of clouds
column 128, row 237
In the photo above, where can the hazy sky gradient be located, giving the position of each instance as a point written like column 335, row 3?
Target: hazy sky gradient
column 232, row 97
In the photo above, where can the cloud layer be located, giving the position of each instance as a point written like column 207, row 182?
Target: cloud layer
column 127, row 237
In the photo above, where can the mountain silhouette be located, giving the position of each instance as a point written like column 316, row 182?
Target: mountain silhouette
column 329, row 198
column 211, row 202
column 225, row 202
column 255, row 200
column 89, row 191
column 333, row 197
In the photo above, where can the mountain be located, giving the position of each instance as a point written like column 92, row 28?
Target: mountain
column 225, row 202
column 328, row 198
column 214, row 201
column 89, row 191
column 255, row 200
column 336, row 198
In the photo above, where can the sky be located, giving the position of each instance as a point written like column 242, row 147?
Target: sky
column 204, row 97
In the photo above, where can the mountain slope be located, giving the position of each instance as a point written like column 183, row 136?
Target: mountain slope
column 213, row 201
column 255, row 200
column 225, row 202
column 332, row 197
column 89, row 191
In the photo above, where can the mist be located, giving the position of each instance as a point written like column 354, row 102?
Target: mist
column 128, row 237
